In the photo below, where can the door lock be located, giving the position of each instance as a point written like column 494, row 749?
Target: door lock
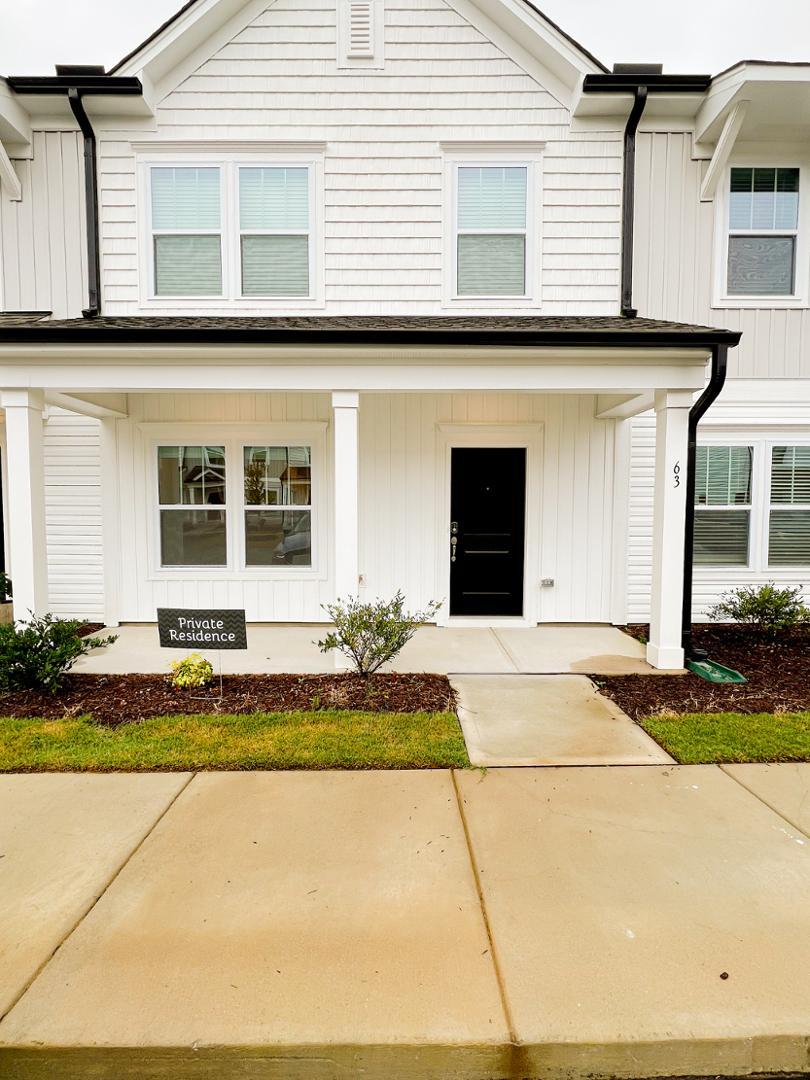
column 453, row 540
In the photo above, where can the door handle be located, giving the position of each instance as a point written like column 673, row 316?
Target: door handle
column 453, row 540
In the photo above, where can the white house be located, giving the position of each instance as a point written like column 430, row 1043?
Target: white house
column 307, row 298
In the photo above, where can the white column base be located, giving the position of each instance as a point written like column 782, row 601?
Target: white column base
column 665, row 658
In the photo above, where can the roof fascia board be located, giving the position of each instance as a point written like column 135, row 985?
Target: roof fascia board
column 15, row 123
column 722, row 151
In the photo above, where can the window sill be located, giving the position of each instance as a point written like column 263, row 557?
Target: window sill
column 222, row 305
column 220, row 573
column 759, row 303
column 477, row 302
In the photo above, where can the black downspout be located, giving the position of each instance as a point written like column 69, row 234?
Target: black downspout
column 628, row 200
column 696, row 414
column 93, row 308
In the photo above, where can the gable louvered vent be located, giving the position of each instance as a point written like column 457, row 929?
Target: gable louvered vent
column 360, row 33
column 360, row 16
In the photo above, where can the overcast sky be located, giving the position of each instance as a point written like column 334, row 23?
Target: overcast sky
column 702, row 36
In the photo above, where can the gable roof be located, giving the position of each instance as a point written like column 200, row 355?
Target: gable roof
column 586, row 55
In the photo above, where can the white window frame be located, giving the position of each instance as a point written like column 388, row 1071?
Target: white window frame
column 800, row 569
column 800, row 298
column 482, row 155
column 234, row 438
column 229, row 162
column 761, row 442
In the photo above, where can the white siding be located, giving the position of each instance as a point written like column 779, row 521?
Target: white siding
column 43, row 259
column 673, row 264
column 442, row 80
column 73, row 516
column 400, row 478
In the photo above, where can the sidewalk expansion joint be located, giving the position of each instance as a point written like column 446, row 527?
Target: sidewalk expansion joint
column 756, row 795
column 505, row 650
column 493, row 952
column 104, row 888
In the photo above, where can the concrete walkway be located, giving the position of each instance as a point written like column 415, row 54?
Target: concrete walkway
column 595, row 650
column 573, row 922
column 511, row 720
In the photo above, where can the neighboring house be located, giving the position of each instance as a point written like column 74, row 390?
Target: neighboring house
column 358, row 290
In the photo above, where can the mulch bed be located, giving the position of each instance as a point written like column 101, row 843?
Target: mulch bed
column 116, row 699
column 778, row 675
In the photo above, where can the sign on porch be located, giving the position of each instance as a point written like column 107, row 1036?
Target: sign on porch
column 216, row 628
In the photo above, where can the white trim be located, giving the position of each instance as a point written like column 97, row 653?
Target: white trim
column 465, row 154
column 722, row 151
column 721, row 299
column 228, row 162
column 234, row 437
column 519, row 436
column 9, row 181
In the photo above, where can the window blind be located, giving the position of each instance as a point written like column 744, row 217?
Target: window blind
column 492, row 197
column 491, row 262
column 789, row 529
column 185, row 198
column 274, row 198
column 761, row 265
column 722, row 483
column 275, row 265
column 762, row 200
column 187, row 263
column 491, row 265
column 274, row 202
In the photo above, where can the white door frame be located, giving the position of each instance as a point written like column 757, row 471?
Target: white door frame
column 528, row 437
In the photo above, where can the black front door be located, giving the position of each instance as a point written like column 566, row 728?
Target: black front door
column 487, row 512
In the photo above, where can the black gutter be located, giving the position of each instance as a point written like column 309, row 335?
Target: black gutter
column 91, row 333
column 656, row 84
column 696, row 414
column 76, row 87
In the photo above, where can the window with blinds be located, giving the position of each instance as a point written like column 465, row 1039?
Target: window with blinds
column 763, row 226
column 491, row 230
column 274, row 231
column 186, row 231
column 722, row 505
column 789, row 514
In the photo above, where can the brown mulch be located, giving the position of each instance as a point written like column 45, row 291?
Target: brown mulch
column 116, row 699
column 88, row 628
column 778, row 674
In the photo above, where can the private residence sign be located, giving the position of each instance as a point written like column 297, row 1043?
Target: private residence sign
column 193, row 628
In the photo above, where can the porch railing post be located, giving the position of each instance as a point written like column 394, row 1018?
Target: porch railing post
column 669, row 514
column 26, row 500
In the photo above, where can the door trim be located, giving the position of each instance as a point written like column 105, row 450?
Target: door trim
column 528, row 437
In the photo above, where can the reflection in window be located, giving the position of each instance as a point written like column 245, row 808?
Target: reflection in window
column 278, row 476
column 192, row 498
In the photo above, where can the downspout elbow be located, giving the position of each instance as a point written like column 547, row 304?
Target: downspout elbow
column 93, row 309
column 628, row 200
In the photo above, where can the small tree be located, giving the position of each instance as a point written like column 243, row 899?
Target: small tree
column 38, row 653
column 371, row 634
column 768, row 610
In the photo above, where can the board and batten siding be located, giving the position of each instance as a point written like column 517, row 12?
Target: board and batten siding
column 43, row 256
column 73, row 516
column 442, row 80
column 401, row 469
column 673, row 253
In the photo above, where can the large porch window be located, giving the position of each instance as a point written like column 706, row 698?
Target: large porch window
column 278, row 477
column 192, row 497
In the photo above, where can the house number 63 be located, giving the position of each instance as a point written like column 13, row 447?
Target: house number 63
column 676, row 474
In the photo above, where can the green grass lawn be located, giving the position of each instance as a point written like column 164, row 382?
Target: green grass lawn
column 291, row 740
column 708, row 738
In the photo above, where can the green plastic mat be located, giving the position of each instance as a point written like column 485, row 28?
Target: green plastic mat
column 714, row 672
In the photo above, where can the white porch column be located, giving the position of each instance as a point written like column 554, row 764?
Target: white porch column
column 26, row 500
column 345, row 405
column 669, row 520
column 110, row 532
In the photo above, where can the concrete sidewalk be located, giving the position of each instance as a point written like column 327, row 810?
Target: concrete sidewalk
column 524, row 923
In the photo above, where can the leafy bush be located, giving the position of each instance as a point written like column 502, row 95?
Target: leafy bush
column 769, row 610
column 5, row 588
column 371, row 634
column 193, row 670
column 38, row 653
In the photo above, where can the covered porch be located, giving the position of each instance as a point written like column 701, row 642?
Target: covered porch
column 381, row 406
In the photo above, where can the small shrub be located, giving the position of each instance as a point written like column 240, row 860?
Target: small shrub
column 192, row 671
column 767, row 609
column 371, row 634
column 37, row 654
column 5, row 588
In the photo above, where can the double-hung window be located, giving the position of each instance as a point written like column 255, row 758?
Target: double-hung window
column 278, row 505
column 723, row 505
column 186, row 231
column 491, row 234
column 763, row 226
column 192, row 506
column 232, row 231
column 789, row 512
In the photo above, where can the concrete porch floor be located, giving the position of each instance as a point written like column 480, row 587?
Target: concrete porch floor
column 276, row 648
